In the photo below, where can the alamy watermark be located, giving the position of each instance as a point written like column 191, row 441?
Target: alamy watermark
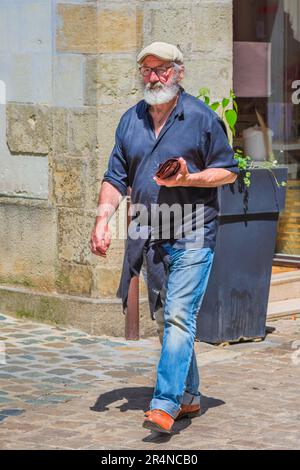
column 2, row 353
column 157, row 222
column 2, row 92
column 296, row 353
column 296, row 94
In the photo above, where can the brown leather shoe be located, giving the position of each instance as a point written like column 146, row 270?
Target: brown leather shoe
column 158, row 420
column 188, row 411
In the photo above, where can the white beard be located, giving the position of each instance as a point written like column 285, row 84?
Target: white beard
column 159, row 93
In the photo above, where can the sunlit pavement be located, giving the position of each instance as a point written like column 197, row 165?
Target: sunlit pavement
column 64, row 389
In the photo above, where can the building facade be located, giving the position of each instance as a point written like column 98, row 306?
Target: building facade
column 266, row 77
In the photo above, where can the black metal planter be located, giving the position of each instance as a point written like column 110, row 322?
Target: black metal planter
column 235, row 303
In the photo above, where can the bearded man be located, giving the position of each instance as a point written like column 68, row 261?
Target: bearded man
column 168, row 122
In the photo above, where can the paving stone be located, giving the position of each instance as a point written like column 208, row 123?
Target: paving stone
column 47, row 354
column 76, row 334
column 85, row 377
column 33, row 375
column 14, row 350
column 35, row 349
column 85, row 341
column 52, row 338
column 4, row 400
column 58, row 380
column 60, row 371
column 78, row 358
column 53, row 360
column 18, row 335
column 60, row 345
column 12, row 412
column 27, row 357
column 81, row 386
column 49, row 399
column 40, row 332
column 13, row 369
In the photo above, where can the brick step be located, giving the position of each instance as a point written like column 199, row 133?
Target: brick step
column 285, row 286
column 283, row 309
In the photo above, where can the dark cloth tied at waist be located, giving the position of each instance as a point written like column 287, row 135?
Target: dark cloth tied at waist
column 157, row 261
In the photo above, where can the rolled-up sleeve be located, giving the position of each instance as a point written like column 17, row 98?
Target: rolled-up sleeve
column 218, row 153
column 117, row 171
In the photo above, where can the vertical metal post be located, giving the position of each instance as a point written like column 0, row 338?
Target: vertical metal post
column 132, row 316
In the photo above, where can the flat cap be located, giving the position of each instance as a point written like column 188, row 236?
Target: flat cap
column 162, row 50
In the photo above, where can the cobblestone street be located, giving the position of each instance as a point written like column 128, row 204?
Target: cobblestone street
column 65, row 389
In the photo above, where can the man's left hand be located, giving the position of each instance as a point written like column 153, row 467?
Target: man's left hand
column 180, row 179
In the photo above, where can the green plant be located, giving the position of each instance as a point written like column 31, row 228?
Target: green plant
column 228, row 111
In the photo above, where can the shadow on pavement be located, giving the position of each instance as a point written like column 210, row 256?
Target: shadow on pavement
column 138, row 398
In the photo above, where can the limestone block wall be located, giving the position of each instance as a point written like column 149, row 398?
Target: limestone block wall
column 67, row 73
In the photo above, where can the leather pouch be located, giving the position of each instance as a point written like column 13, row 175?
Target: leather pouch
column 169, row 168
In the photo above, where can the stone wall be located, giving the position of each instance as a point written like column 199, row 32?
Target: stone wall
column 69, row 72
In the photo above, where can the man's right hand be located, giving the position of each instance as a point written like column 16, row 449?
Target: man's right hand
column 100, row 239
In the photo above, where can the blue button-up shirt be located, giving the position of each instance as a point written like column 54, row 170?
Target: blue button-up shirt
column 193, row 131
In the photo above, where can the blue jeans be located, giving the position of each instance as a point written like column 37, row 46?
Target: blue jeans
column 177, row 372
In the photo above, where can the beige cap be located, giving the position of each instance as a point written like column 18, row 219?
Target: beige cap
column 162, row 50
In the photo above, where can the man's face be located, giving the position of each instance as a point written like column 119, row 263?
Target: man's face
column 160, row 85
column 166, row 78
